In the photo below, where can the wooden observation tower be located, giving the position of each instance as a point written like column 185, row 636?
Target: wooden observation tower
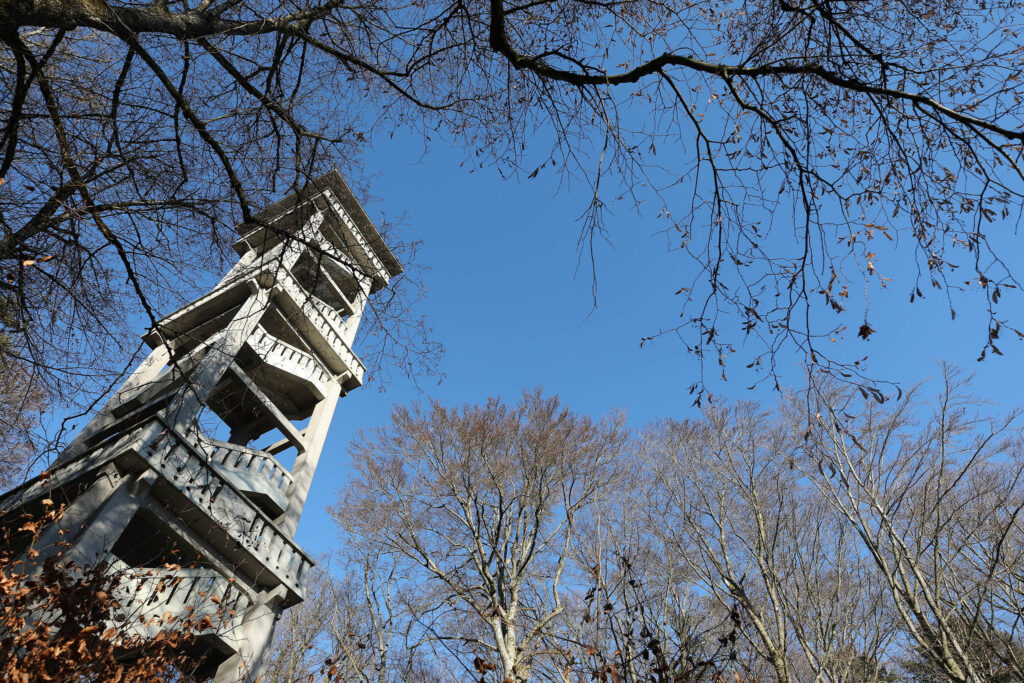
column 208, row 450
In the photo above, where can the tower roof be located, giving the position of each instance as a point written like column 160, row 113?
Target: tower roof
column 290, row 213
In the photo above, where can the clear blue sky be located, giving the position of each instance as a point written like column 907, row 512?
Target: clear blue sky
column 507, row 302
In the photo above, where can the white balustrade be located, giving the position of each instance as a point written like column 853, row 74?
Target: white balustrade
column 329, row 324
column 186, row 465
column 145, row 595
column 286, row 357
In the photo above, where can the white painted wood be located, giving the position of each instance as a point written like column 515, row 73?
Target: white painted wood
column 238, row 507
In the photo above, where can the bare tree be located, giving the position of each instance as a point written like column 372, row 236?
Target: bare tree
column 871, row 539
column 297, row 651
column 868, row 531
column 935, row 494
column 732, row 507
column 125, row 166
column 479, row 506
column 22, row 403
column 352, row 626
column 634, row 614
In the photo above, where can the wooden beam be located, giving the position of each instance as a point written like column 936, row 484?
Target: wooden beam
column 281, row 446
column 284, row 424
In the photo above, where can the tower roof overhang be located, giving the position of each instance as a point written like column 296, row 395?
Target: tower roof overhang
column 285, row 217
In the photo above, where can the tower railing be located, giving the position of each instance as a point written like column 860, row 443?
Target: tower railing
column 291, row 359
column 329, row 326
column 235, row 457
column 223, row 506
column 149, row 597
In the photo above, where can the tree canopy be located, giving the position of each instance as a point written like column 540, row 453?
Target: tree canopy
column 479, row 508
column 527, row 542
column 802, row 154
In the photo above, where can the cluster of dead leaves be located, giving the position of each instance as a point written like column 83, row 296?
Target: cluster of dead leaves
column 60, row 622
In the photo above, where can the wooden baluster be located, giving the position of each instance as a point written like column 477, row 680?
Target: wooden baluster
column 255, row 538
column 274, row 549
